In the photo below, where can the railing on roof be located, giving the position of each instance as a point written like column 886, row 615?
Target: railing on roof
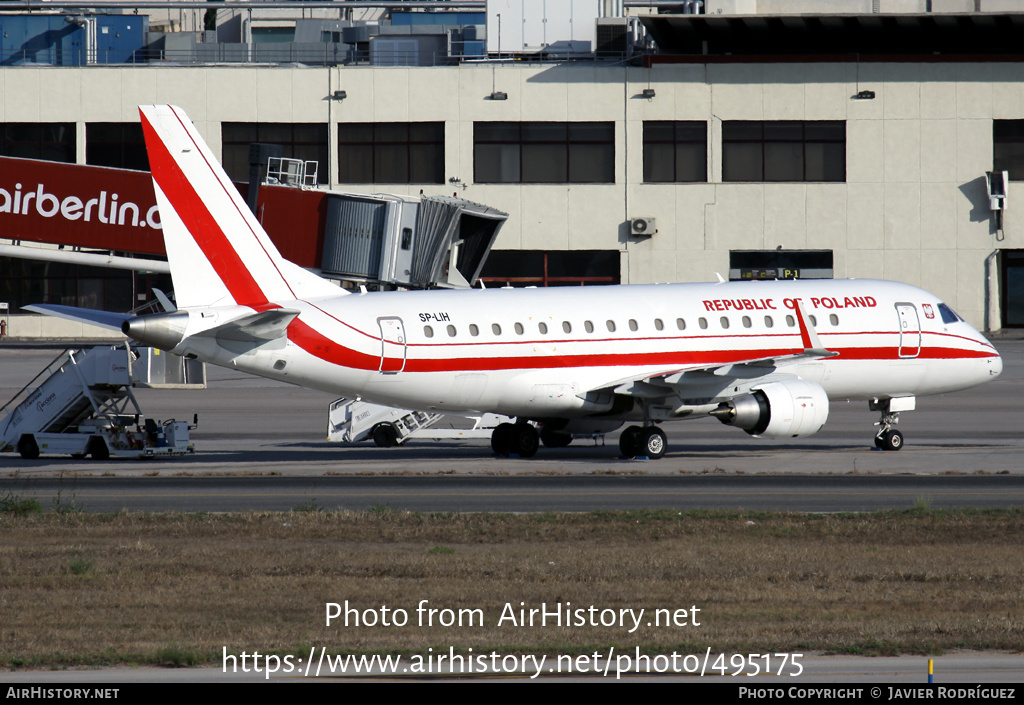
column 291, row 172
column 307, row 53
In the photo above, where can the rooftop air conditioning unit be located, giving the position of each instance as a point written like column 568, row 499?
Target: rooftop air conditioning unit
column 642, row 226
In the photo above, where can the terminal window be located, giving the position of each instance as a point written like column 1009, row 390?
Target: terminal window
column 789, row 150
column 391, row 153
column 1008, row 147
column 1012, row 280
column 675, row 152
column 543, row 152
column 24, row 282
column 305, row 141
column 117, row 144
column 551, row 267
column 52, row 141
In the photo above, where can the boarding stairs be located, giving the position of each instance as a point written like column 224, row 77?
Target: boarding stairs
column 354, row 420
column 82, row 403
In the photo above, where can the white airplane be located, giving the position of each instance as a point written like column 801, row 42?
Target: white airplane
column 766, row 357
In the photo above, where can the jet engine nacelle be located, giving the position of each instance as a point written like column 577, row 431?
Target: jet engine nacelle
column 158, row 330
column 777, row 410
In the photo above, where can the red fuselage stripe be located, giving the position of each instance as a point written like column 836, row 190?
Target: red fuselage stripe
column 320, row 346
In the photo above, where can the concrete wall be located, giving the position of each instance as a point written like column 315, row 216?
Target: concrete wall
column 913, row 207
column 25, row 326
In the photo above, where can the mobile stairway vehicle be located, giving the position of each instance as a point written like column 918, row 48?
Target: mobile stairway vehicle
column 81, row 404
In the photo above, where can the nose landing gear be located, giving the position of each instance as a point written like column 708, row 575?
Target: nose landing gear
column 888, row 438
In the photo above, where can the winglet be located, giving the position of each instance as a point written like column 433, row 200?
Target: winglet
column 809, row 336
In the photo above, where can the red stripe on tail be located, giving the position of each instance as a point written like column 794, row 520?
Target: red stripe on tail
column 200, row 222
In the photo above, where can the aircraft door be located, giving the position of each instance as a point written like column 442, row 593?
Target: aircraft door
column 910, row 330
column 392, row 345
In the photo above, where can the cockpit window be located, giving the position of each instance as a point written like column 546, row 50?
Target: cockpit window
column 947, row 314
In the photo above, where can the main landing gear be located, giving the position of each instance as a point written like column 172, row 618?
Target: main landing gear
column 522, row 439
column 643, row 441
column 519, row 438
column 887, row 438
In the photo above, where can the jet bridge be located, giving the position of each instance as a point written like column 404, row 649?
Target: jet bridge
column 409, row 242
column 82, row 404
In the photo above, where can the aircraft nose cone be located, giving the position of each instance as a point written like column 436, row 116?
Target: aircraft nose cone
column 995, row 366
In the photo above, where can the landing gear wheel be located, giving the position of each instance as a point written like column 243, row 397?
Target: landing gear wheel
column 97, row 449
column 385, row 435
column 27, row 447
column 502, row 438
column 629, row 441
column 555, row 439
column 890, row 440
column 525, row 440
column 651, row 442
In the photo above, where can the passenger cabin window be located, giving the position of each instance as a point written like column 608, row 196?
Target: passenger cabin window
column 658, row 325
column 473, row 330
column 566, row 326
column 611, row 326
column 768, row 322
column 589, row 326
column 703, row 322
column 724, row 321
column 814, row 321
column 790, row 321
column 519, row 329
column 496, row 329
column 746, row 322
column 632, row 324
column 833, row 319
column 543, row 328
column 680, row 324
column 428, row 331
column 451, row 331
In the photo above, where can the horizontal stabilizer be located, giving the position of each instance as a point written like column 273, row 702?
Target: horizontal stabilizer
column 259, row 327
column 104, row 319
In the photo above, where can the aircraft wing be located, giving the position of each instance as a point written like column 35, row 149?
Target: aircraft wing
column 660, row 384
column 104, row 319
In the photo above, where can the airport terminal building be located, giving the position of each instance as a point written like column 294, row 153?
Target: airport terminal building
column 740, row 138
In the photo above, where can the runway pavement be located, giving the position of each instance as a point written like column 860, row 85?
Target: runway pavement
column 523, row 493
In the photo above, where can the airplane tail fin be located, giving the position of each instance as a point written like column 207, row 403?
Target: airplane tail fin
column 218, row 252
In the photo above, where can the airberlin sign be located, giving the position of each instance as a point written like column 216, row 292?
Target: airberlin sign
column 85, row 206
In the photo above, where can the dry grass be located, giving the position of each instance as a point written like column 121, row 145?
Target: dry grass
column 137, row 588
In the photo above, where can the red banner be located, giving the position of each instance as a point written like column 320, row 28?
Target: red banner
column 80, row 206
column 115, row 209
